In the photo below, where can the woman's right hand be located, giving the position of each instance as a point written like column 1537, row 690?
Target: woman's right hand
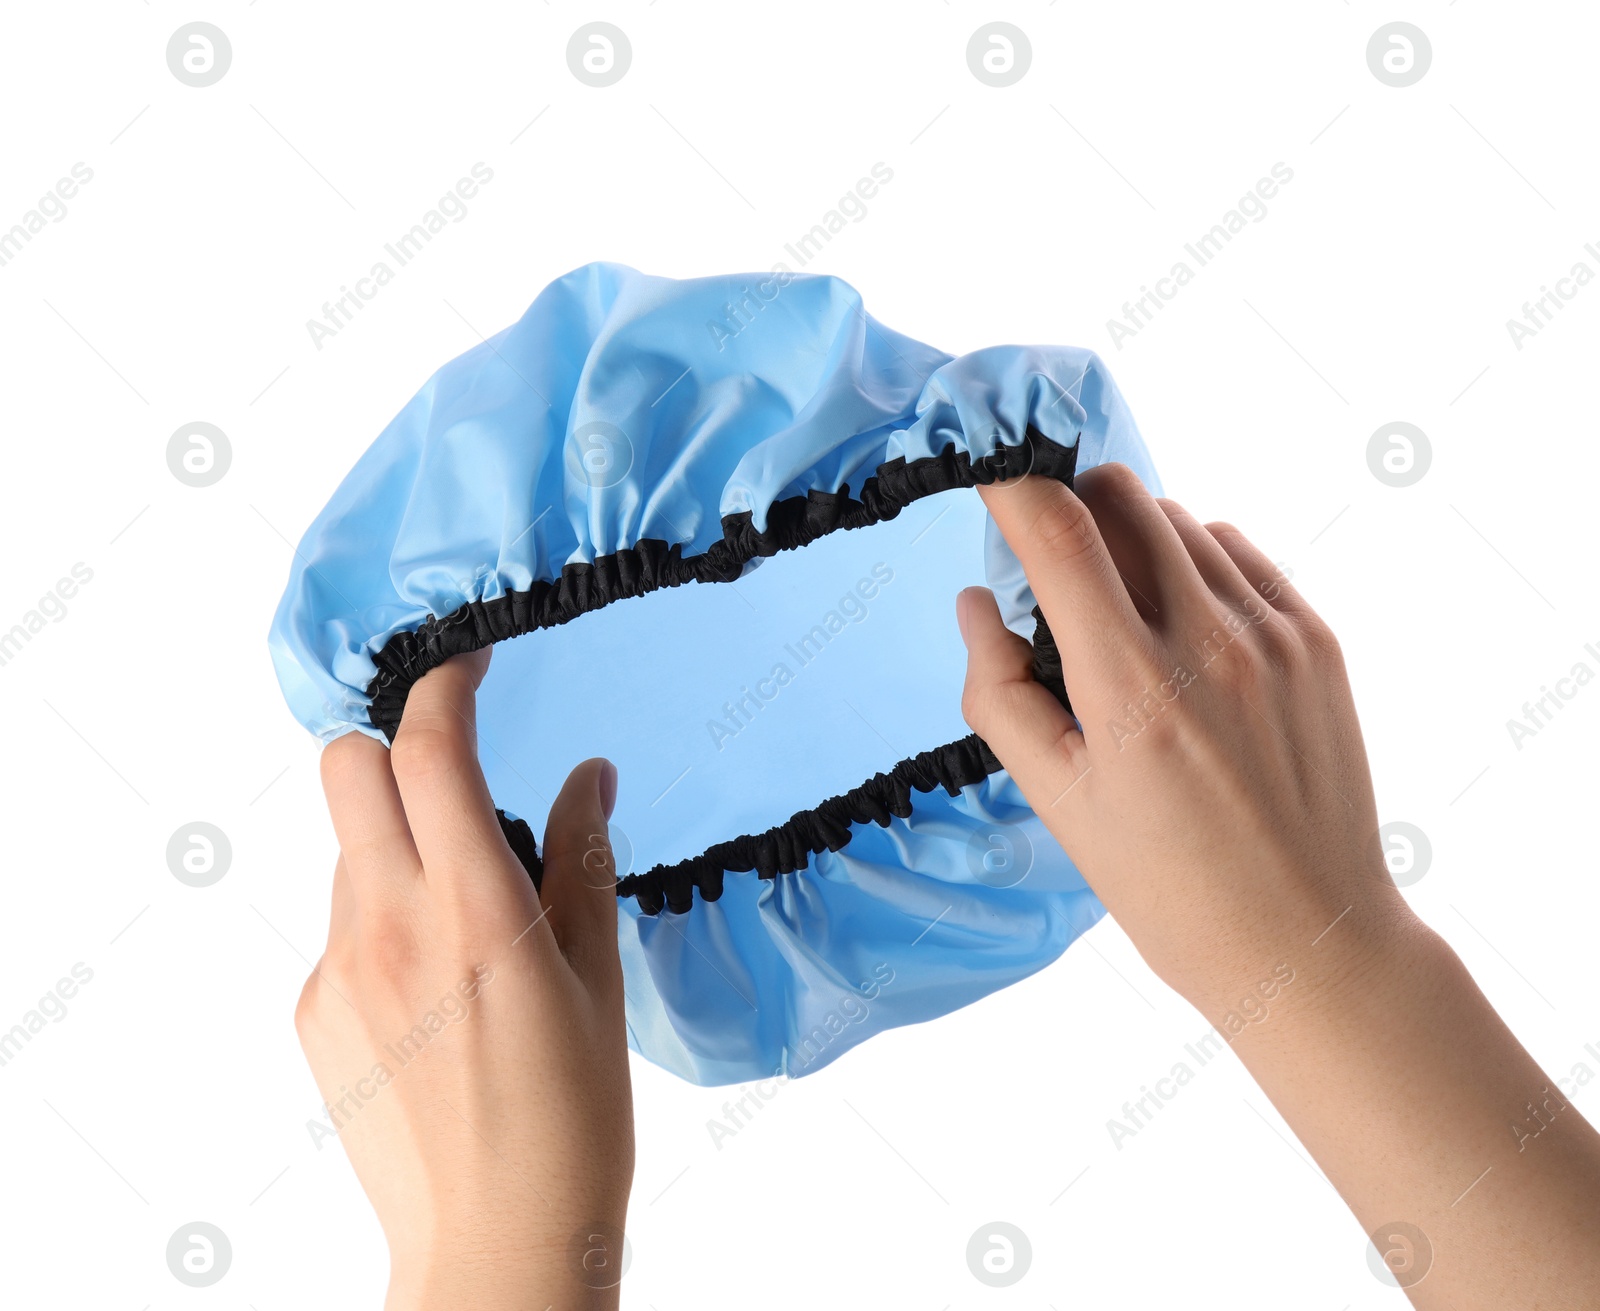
column 1217, row 795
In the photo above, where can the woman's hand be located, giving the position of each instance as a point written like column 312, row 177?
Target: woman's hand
column 468, row 1035
column 1215, row 793
column 1217, row 796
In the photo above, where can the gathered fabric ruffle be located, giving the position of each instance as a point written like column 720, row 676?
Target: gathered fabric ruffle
column 651, row 564
column 789, row 846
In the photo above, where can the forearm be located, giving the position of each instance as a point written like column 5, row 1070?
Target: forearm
column 1424, row 1110
column 1237, row 843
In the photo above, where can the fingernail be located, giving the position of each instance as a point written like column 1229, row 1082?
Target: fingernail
column 961, row 614
column 608, row 787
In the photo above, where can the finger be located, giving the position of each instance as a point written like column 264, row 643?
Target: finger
column 1074, row 581
column 1227, row 583
column 441, row 784
column 1262, row 574
column 1032, row 733
column 580, row 873
column 374, row 838
column 1167, row 588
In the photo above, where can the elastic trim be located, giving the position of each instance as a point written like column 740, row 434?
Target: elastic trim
column 652, row 565
column 519, row 837
column 788, row 847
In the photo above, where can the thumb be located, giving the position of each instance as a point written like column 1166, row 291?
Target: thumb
column 1031, row 732
column 580, row 873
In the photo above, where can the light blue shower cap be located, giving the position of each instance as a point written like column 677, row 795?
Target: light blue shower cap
column 552, row 491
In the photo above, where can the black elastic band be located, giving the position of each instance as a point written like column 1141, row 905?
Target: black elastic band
column 788, row 847
column 652, row 565
column 519, row 837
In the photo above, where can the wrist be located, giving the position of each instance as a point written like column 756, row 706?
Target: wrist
column 1323, row 966
column 504, row 1270
column 514, row 1286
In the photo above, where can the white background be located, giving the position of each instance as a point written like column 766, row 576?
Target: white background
column 219, row 220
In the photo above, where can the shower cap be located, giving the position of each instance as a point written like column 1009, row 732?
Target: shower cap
column 554, row 491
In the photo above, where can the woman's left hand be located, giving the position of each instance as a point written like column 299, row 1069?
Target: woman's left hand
column 466, row 1033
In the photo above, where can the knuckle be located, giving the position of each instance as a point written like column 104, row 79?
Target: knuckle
column 1279, row 649
column 307, row 1009
column 1234, row 666
column 339, row 761
column 1112, row 484
column 1320, row 642
column 1113, row 477
column 972, row 707
column 426, row 751
column 389, row 947
column 1174, row 733
column 1177, row 515
column 1064, row 529
column 1120, row 479
column 337, row 966
column 990, row 708
column 1152, row 713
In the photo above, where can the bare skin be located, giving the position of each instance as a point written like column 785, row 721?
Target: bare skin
column 498, row 1153
column 1217, row 798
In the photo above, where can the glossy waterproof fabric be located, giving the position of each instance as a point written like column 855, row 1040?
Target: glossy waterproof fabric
column 622, row 410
